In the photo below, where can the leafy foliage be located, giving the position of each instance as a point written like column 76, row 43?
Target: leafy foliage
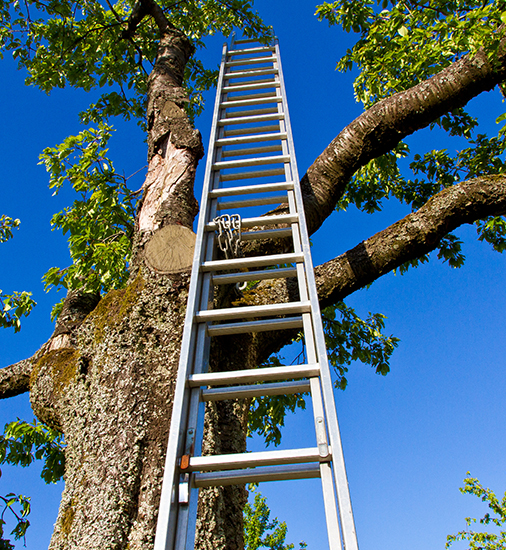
column 22, row 443
column 100, row 222
column 257, row 526
column 402, row 43
column 90, row 46
column 18, row 304
column 479, row 540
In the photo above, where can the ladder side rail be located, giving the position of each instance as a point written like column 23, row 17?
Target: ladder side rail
column 329, row 496
column 343, row 495
column 167, row 513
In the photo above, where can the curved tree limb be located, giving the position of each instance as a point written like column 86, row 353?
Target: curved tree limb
column 385, row 124
column 15, row 379
column 413, row 236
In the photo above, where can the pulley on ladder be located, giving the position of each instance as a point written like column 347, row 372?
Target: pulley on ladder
column 251, row 157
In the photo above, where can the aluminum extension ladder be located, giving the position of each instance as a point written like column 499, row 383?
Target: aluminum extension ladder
column 251, row 158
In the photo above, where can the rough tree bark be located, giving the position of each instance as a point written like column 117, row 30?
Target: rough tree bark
column 106, row 376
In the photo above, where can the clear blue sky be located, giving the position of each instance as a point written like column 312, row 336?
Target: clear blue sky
column 409, row 437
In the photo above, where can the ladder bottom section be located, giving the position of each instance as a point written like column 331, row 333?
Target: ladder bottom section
column 257, row 475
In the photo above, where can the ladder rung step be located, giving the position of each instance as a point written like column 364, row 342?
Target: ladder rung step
column 253, row 85
column 254, row 375
column 250, row 119
column 261, row 220
column 213, row 463
column 250, row 189
column 251, row 151
column 257, row 475
column 258, row 49
column 267, row 234
column 251, row 72
column 245, row 97
column 255, row 326
column 251, row 112
column 270, row 97
column 253, row 138
column 255, row 261
column 254, row 174
column 273, row 128
column 244, row 163
column 246, row 40
column 280, row 273
column 224, row 314
column 249, row 61
column 256, row 390
column 232, row 205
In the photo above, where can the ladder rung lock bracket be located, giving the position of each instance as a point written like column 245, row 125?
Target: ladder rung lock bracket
column 224, row 314
column 256, row 390
column 262, row 221
column 254, row 375
column 257, row 475
column 255, row 261
column 250, row 189
column 264, row 325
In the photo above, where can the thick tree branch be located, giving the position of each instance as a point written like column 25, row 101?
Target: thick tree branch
column 409, row 238
column 385, row 124
column 15, row 379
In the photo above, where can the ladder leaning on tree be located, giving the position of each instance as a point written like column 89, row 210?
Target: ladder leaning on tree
column 251, row 158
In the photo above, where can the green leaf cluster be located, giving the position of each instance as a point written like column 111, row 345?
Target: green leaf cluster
column 261, row 532
column 88, row 45
column 496, row 517
column 100, row 222
column 350, row 338
column 17, row 304
column 22, row 443
column 22, row 523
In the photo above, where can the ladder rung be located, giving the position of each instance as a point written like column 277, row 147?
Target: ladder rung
column 246, row 40
column 279, row 273
column 250, row 189
column 251, row 119
column 256, row 261
column 251, row 460
column 256, row 475
column 261, row 220
column 251, row 50
column 251, row 112
column 271, row 94
column 267, row 234
column 244, row 163
column 253, row 85
column 251, row 151
column 256, row 390
column 254, row 375
column 270, row 97
column 226, row 313
column 253, row 138
column 232, row 205
column 251, row 72
column 249, row 61
column 255, row 326
column 254, row 174
column 273, row 128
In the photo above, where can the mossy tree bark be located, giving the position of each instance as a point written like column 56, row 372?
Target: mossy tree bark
column 106, row 376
